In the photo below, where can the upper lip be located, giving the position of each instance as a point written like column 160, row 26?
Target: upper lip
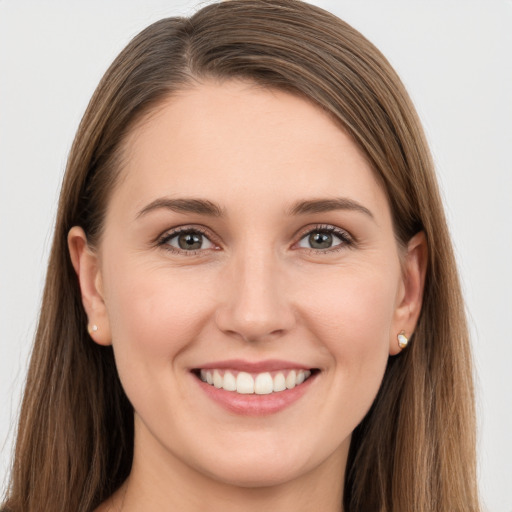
column 268, row 365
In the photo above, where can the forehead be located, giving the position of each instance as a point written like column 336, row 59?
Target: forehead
column 236, row 141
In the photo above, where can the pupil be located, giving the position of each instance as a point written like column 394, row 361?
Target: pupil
column 320, row 240
column 190, row 241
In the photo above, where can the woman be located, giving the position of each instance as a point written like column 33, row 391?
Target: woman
column 251, row 299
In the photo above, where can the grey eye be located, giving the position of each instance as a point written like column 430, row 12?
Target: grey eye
column 320, row 239
column 190, row 241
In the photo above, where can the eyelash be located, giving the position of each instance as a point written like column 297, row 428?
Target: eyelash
column 346, row 239
column 163, row 241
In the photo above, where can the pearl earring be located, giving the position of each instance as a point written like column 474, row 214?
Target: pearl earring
column 402, row 340
column 92, row 328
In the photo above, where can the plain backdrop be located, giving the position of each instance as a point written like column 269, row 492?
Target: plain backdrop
column 455, row 58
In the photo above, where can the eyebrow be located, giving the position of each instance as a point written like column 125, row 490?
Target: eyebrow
column 328, row 205
column 205, row 207
column 200, row 206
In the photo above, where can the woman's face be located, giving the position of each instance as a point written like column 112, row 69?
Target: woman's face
column 247, row 243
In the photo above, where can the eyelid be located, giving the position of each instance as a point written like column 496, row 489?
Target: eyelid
column 168, row 234
column 347, row 239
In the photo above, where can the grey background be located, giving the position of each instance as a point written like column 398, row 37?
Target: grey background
column 455, row 57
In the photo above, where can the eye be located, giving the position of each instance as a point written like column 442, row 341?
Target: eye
column 187, row 240
column 325, row 238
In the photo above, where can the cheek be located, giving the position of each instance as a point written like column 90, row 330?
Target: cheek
column 352, row 323
column 153, row 315
column 355, row 307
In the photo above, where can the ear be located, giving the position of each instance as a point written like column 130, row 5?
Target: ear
column 86, row 264
column 410, row 297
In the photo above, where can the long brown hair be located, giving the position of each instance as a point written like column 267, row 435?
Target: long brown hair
column 415, row 449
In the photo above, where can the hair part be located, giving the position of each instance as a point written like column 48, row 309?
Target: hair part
column 415, row 449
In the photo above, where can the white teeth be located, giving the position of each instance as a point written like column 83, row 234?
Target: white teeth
column 260, row 384
column 244, row 383
column 263, row 385
column 218, row 381
column 291, row 380
column 279, row 382
column 229, row 382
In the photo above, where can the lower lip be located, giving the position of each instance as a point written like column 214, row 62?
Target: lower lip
column 256, row 405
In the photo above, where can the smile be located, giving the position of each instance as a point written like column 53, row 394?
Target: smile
column 249, row 388
column 245, row 383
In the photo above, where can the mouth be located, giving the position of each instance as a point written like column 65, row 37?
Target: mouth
column 254, row 383
column 250, row 388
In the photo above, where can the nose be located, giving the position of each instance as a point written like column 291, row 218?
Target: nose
column 255, row 302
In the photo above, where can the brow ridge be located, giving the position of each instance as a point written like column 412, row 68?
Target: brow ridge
column 183, row 205
column 206, row 207
column 326, row 205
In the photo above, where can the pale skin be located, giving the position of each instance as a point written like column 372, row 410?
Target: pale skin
column 256, row 286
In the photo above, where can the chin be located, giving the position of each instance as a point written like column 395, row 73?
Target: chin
column 265, row 467
column 250, row 476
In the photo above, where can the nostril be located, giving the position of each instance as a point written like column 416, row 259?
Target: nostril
column 254, row 314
